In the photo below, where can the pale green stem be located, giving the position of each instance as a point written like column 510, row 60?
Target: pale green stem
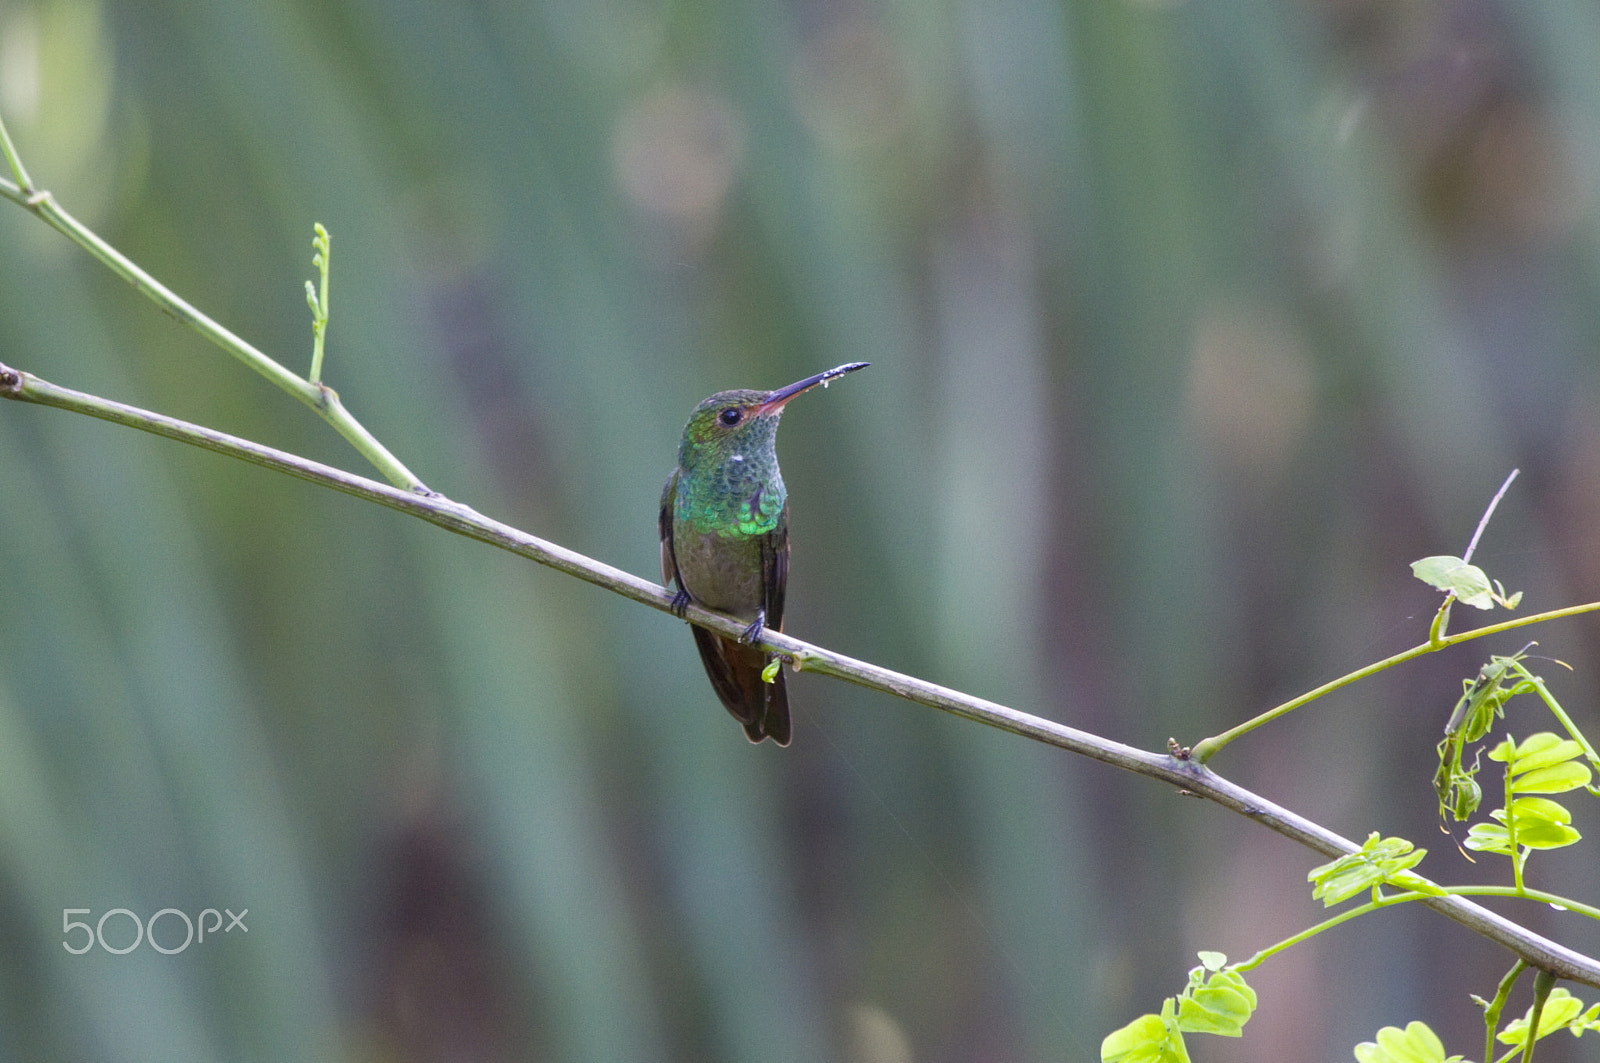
column 319, row 397
column 1389, row 900
column 1537, row 684
column 1437, row 640
column 1491, row 1014
column 1436, row 631
column 19, row 171
column 1207, row 748
column 1543, row 982
column 1539, row 896
column 1518, row 857
column 1327, row 924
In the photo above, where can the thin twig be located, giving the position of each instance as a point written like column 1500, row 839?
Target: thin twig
column 1441, row 620
column 1483, row 521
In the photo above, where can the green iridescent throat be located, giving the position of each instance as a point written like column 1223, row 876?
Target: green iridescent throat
column 730, row 486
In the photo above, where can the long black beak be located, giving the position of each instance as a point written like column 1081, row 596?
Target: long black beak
column 776, row 400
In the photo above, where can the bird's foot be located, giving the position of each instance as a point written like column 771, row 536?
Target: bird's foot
column 753, row 632
column 680, row 603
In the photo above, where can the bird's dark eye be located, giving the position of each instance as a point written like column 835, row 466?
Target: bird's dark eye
column 731, row 416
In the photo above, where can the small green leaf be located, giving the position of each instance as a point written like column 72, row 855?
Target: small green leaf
column 1467, row 582
column 1437, row 571
column 1540, row 822
column 1222, row 1006
column 1557, row 779
column 1451, row 574
column 1219, row 1013
column 1529, row 811
column 769, row 674
column 1216, row 1001
column 1547, row 836
column 1147, row 1039
column 1543, row 749
column 1415, row 1044
column 1488, row 838
column 1379, row 860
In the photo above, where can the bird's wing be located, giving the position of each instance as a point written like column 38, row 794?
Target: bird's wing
column 775, row 569
column 669, row 561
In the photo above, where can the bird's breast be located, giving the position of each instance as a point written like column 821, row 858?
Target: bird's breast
column 722, row 572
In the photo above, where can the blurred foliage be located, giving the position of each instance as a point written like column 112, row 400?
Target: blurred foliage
column 1191, row 325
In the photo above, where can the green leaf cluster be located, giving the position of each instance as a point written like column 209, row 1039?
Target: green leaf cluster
column 1217, row 1000
column 1545, row 763
column 1377, row 862
column 1561, row 1011
column 1415, row 1044
column 1419, row 1044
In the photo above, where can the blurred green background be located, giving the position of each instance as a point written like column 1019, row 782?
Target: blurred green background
column 1192, row 324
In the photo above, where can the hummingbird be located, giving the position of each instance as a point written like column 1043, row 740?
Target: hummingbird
column 724, row 526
